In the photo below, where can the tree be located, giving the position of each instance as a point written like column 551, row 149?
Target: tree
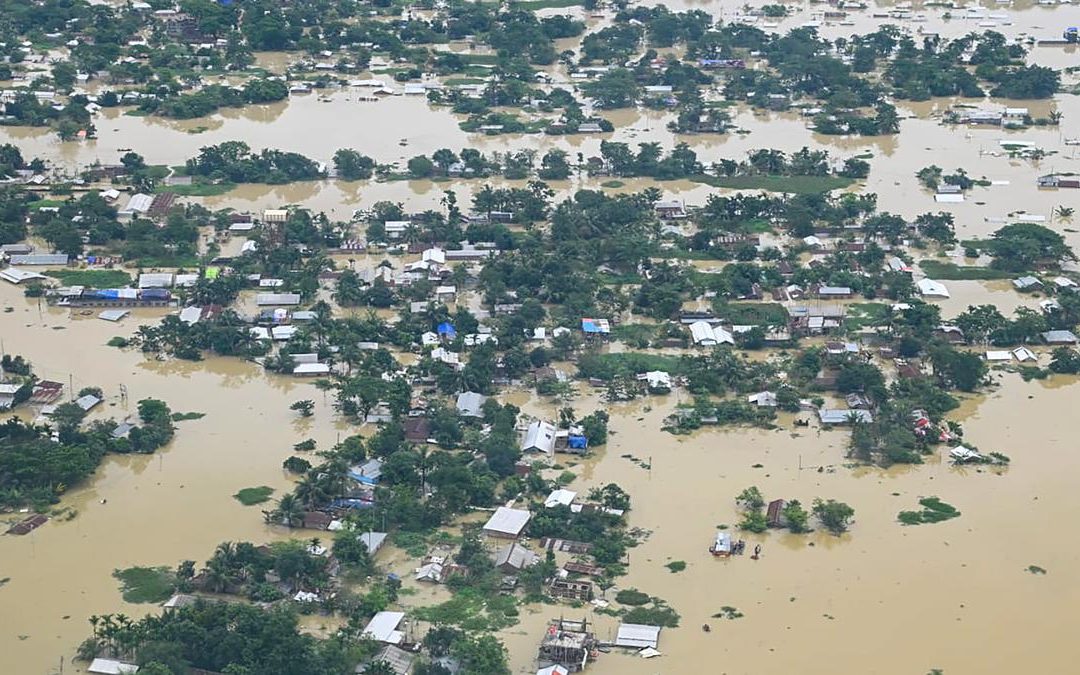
column 834, row 515
column 1065, row 360
column 796, row 516
column 962, row 370
column 616, row 88
column 379, row 667
column 351, row 165
column 421, row 167
column 483, row 655
column 751, row 498
column 305, row 407
column 1019, row 247
column 595, row 428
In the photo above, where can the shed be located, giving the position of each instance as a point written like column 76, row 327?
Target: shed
column 1026, row 283
column 999, row 355
column 763, row 399
column 87, row 402
column 470, row 404
column 156, row 280
column 637, row 636
column 1024, row 354
column 539, row 437
column 40, row 259
column 383, row 627
column 595, row 326
column 553, row 670
column 282, row 299
column 367, row 473
column 507, row 523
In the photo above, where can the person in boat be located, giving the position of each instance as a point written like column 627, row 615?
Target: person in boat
column 705, row 627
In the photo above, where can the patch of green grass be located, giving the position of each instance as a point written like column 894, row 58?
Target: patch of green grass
column 947, row 271
column 1035, row 569
column 118, row 342
column 198, row 189
column 934, row 511
column 135, row 112
column 752, row 313
column 658, row 614
column 862, row 314
column 146, row 584
column 413, row 543
column 254, row 495
column 472, row 610
column 612, row 184
column 459, row 81
column 631, row 596
column 92, row 278
column 180, row 417
column 676, row 566
column 800, row 185
column 636, row 334
column 46, row 203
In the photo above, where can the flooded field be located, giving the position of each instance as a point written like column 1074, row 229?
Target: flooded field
column 883, row 598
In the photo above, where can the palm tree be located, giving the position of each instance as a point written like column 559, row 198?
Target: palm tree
column 289, row 511
column 1064, row 213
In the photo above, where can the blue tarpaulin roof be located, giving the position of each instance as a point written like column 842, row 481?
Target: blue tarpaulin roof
column 447, row 329
column 577, row 442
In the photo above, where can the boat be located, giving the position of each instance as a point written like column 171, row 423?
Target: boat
column 722, row 545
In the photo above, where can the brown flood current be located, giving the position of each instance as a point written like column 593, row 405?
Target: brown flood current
column 881, row 599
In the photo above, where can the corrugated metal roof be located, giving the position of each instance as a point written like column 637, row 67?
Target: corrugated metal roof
column 637, row 635
column 507, row 521
column 40, row 259
column 383, row 627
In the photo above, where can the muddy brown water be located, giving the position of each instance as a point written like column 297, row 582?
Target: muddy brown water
column 881, row 599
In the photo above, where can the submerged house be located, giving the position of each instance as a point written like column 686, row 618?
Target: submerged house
column 507, row 523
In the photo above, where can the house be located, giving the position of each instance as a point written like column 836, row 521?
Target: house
column 669, row 210
column 560, row 497
column 417, row 429
column 1023, row 354
column 656, row 381
column 833, row 292
column 1064, row 283
column 1026, row 283
column 16, row 276
column 514, row 557
column 997, row 356
column 706, row 335
column 433, row 571
column 951, row 334
column 539, row 437
column 111, row 667
column 571, row 589
column 367, row 473
column 763, row 399
column 568, row 644
column 275, row 215
column 470, row 404
column 637, row 636
column 895, row 264
column 383, row 627
column 399, row 660
column 1059, row 337
column 932, row 289
column 507, row 523
column 373, row 541
column 87, row 402
column 837, row 416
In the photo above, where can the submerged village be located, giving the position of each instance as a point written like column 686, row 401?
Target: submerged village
column 541, row 336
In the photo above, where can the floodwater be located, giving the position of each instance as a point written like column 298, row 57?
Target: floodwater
column 955, row 595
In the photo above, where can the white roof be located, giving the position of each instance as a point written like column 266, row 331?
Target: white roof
column 185, row 280
column 553, row 670
column 190, row 315
column 277, row 299
column 706, row 335
column 1003, row 355
column 259, row 332
column 932, row 288
column 949, row 197
column 540, row 436
column 637, row 635
column 433, row 255
column 283, row 332
column 507, row 521
column 960, row 452
column 113, row 314
column 156, row 280
column 373, row 540
column 40, row 259
column 560, row 497
column 17, row 276
column 383, row 627
column 311, row 369
column 139, row 202
column 111, row 667
column 1024, row 354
